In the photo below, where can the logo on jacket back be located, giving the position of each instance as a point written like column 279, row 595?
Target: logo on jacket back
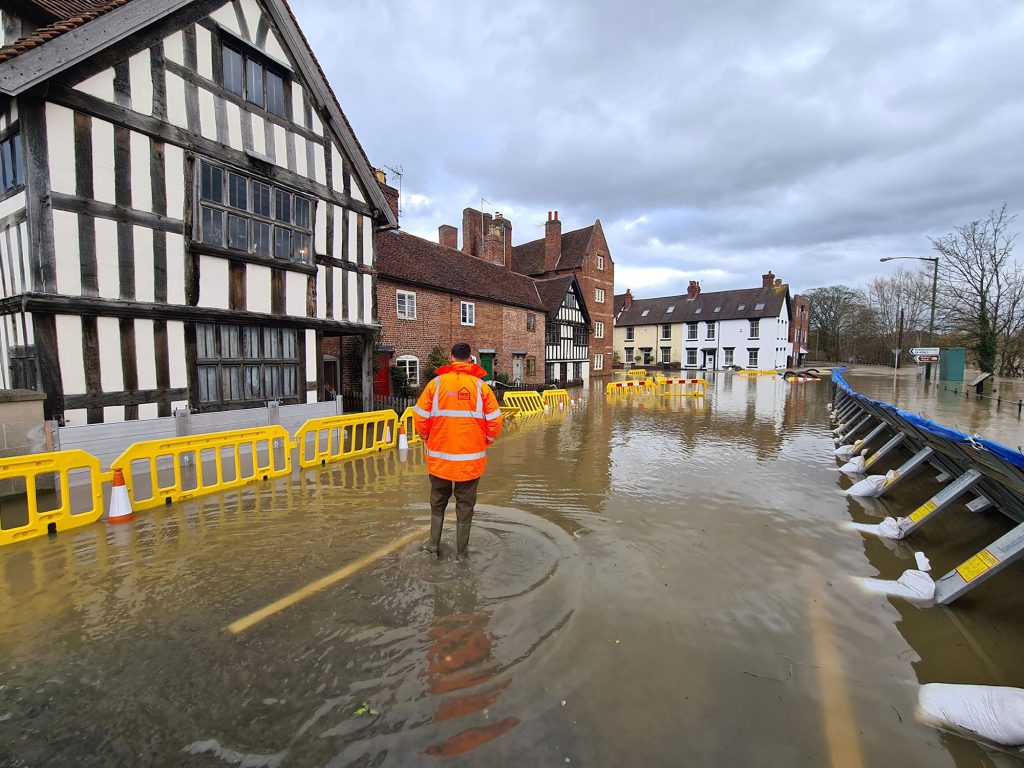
column 463, row 394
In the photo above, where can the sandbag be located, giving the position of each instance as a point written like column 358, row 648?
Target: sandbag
column 913, row 585
column 889, row 528
column 870, row 485
column 854, row 466
column 847, row 450
column 995, row 713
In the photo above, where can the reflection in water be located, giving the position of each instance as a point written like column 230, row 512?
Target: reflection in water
column 649, row 584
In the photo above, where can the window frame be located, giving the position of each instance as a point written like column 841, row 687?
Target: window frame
column 755, row 329
column 752, row 358
column 471, row 314
column 275, row 221
column 252, row 59
column 277, row 360
column 12, row 153
column 531, row 322
column 630, row 333
column 666, row 332
column 710, row 332
column 406, row 295
column 599, row 362
column 600, row 261
column 553, row 335
column 691, row 358
column 728, row 356
column 691, row 331
column 414, row 381
column 599, row 329
column 666, row 355
column 599, row 295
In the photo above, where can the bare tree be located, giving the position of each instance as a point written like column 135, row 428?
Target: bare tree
column 840, row 321
column 904, row 289
column 982, row 286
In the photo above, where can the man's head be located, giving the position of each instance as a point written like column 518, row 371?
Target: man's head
column 461, row 352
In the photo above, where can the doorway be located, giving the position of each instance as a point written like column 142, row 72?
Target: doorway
column 487, row 363
column 332, row 376
column 382, row 375
column 517, row 369
column 709, row 360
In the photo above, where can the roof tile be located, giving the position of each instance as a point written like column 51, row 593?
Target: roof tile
column 702, row 308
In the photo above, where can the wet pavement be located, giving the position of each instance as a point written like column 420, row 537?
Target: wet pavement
column 650, row 583
column 944, row 401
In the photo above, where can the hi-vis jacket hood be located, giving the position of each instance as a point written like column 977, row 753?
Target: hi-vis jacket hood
column 458, row 418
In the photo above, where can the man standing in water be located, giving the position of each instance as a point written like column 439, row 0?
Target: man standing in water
column 458, row 418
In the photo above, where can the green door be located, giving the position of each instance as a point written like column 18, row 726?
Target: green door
column 487, row 363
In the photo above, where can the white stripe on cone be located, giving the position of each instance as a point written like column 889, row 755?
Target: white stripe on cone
column 403, row 439
column 120, row 503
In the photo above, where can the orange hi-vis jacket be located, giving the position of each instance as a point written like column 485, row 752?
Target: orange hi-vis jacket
column 458, row 418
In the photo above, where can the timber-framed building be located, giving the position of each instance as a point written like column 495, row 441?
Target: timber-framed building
column 186, row 214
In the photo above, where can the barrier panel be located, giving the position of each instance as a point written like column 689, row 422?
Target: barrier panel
column 334, row 438
column 49, row 510
column 160, row 472
column 636, row 373
column 510, row 412
column 529, row 403
column 628, row 388
column 555, row 397
column 410, row 430
column 758, row 372
column 683, row 387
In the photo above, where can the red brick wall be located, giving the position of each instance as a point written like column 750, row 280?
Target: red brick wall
column 801, row 322
column 438, row 321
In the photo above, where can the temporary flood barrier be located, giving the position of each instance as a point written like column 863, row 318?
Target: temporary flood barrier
column 682, row 387
column 992, row 473
column 49, row 507
column 161, row 472
column 628, row 388
column 636, row 373
column 555, row 398
column 406, row 420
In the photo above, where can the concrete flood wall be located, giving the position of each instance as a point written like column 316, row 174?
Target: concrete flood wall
column 22, row 429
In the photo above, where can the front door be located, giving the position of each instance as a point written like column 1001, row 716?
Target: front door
column 709, row 361
column 382, row 375
column 487, row 363
column 517, row 369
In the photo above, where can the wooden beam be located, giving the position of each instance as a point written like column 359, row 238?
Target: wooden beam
column 120, row 213
column 130, row 399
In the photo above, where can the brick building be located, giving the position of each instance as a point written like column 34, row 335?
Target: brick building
column 585, row 254
column 798, row 330
column 431, row 294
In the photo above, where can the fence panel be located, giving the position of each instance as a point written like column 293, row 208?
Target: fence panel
column 410, row 429
column 164, row 471
column 529, row 403
column 556, row 398
column 50, row 510
column 334, row 438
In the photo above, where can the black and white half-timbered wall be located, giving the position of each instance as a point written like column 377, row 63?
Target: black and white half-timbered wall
column 567, row 334
column 186, row 213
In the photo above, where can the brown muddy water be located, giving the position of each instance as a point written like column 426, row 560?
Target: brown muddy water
column 650, row 583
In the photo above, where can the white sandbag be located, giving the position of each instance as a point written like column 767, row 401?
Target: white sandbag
column 870, row 485
column 923, row 563
column 994, row 713
column 912, row 585
column 889, row 528
column 854, row 466
column 844, row 451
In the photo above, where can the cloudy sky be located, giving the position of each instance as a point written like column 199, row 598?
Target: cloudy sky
column 715, row 139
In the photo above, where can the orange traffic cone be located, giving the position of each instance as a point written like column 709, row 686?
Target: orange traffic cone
column 120, row 503
column 403, row 439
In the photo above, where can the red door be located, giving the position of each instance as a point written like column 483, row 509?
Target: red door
column 382, row 376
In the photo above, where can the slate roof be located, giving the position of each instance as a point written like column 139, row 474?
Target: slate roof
column 702, row 308
column 407, row 258
column 528, row 258
column 67, row 15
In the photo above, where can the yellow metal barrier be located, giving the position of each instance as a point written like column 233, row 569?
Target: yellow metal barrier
column 758, row 372
column 556, row 398
column 160, row 472
column 683, row 387
column 410, row 429
column 510, row 412
column 51, row 510
column 636, row 373
column 529, row 403
column 334, row 438
column 628, row 388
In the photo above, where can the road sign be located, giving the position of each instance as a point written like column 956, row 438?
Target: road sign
column 926, row 358
column 925, row 351
column 896, row 350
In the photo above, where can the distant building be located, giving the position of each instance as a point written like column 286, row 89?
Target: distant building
column 798, row 330
column 748, row 327
column 585, row 254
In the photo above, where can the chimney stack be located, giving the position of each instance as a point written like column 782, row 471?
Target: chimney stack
column 778, row 282
column 628, row 300
column 766, row 279
column 552, row 242
column 494, row 244
column 448, row 236
column 693, row 291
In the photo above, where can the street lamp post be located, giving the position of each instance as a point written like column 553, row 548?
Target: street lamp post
column 935, row 289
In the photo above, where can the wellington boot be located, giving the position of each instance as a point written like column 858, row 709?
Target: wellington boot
column 462, row 539
column 433, row 544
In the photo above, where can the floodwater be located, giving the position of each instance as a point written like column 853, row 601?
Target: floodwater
column 650, row 583
column 945, row 403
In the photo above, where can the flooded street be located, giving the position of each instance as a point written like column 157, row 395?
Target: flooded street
column 650, row 583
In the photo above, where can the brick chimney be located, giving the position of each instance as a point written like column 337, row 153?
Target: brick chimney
column 693, row 290
column 448, row 236
column 766, row 279
column 494, row 245
column 474, row 225
column 552, row 242
column 628, row 299
column 778, row 282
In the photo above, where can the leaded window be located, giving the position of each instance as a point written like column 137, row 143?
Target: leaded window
column 245, row 363
column 244, row 214
column 12, row 163
column 249, row 76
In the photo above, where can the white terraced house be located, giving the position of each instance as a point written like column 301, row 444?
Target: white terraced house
column 746, row 328
column 186, row 214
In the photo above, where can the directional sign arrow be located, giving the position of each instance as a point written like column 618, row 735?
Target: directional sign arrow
column 925, row 351
column 926, row 358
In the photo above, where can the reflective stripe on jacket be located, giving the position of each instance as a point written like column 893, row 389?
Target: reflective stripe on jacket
column 458, row 418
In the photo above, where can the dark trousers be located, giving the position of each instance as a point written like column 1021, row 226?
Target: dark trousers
column 465, row 497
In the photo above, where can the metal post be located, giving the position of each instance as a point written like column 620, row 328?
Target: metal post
column 939, row 502
column 898, row 438
column 905, row 470
column 931, row 320
column 981, row 567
